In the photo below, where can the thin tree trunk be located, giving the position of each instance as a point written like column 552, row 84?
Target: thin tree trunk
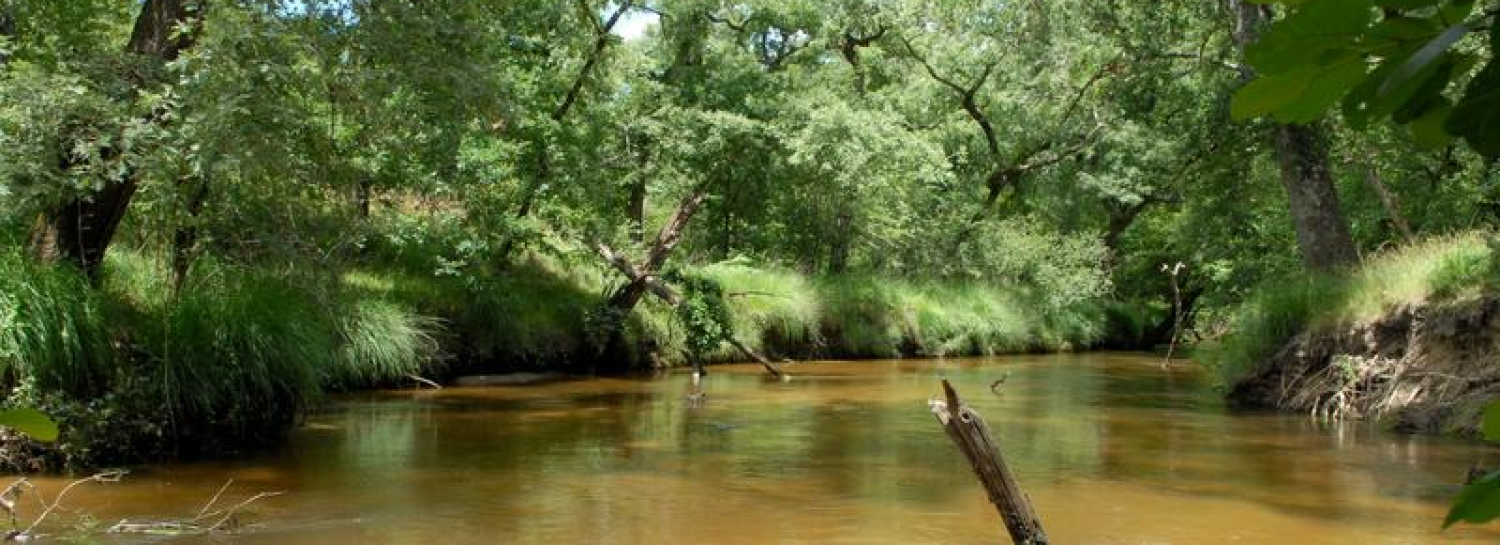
column 1392, row 206
column 843, row 237
column 602, row 39
column 1302, row 153
column 8, row 31
column 363, row 194
column 185, row 240
column 637, row 211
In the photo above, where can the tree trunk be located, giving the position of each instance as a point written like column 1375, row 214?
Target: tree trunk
column 838, row 254
column 1392, row 206
column 1322, row 232
column 1302, row 152
column 81, row 229
column 363, row 194
column 643, row 279
column 637, row 211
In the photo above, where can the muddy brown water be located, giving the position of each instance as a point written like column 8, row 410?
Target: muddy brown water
column 1113, row 450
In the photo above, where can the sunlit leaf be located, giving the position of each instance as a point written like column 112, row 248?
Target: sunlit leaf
column 30, row 422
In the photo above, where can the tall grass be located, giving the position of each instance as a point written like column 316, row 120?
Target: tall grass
column 1441, row 269
column 52, row 328
column 238, row 347
column 380, row 343
column 771, row 310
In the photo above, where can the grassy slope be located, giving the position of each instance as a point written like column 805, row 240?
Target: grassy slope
column 1440, row 269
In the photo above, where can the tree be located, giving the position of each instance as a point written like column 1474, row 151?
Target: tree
column 80, row 230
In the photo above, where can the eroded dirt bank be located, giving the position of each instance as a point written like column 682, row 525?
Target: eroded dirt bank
column 1424, row 367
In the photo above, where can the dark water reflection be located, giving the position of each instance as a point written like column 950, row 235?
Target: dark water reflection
column 1112, row 449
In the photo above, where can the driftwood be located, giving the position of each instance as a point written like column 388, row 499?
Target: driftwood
column 207, row 521
column 770, row 367
column 972, row 436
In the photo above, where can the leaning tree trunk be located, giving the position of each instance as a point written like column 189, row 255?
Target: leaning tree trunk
column 1302, row 152
column 80, row 230
column 643, row 279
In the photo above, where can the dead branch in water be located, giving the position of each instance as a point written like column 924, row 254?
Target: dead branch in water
column 972, row 436
column 204, row 522
column 1174, row 271
column 9, row 499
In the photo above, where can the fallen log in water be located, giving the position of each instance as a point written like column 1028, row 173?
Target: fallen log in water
column 972, row 436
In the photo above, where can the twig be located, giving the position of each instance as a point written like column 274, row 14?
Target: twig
column 230, row 513
column 1174, row 271
column 104, row 477
column 428, row 382
column 213, row 500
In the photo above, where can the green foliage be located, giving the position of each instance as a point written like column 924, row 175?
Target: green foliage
column 703, row 313
column 1320, row 53
column 1478, row 503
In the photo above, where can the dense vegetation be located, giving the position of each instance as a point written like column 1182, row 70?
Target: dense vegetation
column 228, row 209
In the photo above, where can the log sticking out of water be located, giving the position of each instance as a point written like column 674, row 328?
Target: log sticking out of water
column 770, row 367
column 972, row 436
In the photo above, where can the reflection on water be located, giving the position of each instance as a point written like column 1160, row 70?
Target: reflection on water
column 1111, row 448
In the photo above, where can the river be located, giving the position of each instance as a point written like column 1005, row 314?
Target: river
column 1113, row 450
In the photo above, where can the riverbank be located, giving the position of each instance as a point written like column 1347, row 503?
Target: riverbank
column 135, row 370
column 1410, row 339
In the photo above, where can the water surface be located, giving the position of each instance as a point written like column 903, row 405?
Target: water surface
column 1113, row 450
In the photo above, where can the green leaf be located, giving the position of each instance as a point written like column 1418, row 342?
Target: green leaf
column 1312, row 30
column 1405, row 29
column 1428, row 132
column 1407, row 4
column 1477, row 503
column 1430, row 92
column 1267, row 94
column 1365, row 103
column 1324, row 89
column 30, row 422
column 1490, row 424
column 1456, row 12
